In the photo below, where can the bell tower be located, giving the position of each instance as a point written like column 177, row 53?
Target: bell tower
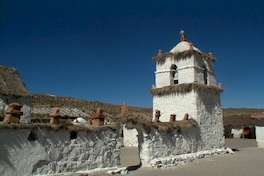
column 185, row 83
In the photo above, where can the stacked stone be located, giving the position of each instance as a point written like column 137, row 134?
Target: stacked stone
column 157, row 116
column 186, row 116
column 172, row 118
column 98, row 118
column 124, row 109
column 55, row 116
column 13, row 113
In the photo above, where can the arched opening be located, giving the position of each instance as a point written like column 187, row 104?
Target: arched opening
column 32, row 135
column 130, row 151
column 205, row 75
column 174, row 74
column 73, row 134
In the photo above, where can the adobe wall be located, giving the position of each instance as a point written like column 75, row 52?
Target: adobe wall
column 260, row 133
column 170, row 148
column 130, row 137
column 178, row 104
column 48, row 151
column 45, row 150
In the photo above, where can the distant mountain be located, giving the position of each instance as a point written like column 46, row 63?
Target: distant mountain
column 42, row 105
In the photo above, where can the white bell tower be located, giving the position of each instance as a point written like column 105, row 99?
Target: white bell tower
column 185, row 83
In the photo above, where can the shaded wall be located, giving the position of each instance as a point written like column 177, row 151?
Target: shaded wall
column 170, row 148
column 45, row 151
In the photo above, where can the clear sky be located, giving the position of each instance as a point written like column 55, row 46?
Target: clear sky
column 101, row 50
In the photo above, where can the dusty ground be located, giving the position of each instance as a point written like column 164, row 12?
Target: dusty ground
column 247, row 160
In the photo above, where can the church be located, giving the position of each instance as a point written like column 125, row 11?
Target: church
column 185, row 83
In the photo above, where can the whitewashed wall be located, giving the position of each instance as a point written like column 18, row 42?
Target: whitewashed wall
column 237, row 132
column 175, row 103
column 184, row 67
column 204, row 107
column 54, row 152
column 130, row 137
column 210, row 119
column 260, row 133
column 166, row 149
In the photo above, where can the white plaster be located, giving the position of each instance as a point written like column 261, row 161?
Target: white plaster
column 80, row 121
column 174, row 103
column 236, row 132
column 260, row 133
column 54, row 152
column 130, row 137
column 172, row 161
column 163, row 146
column 182, row 46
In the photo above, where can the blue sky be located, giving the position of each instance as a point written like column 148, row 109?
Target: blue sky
column 102, row 50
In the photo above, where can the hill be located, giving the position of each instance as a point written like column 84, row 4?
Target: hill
column 43, row 103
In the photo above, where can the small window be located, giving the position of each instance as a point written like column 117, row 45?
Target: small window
column 205, row 75
column 73, row 135
column 32, row 135
column 174, row 74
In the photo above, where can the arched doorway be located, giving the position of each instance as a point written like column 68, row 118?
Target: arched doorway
column 130, row 151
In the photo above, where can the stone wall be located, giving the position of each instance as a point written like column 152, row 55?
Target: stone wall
column 25, row 151
column 178, row 104
column 166, row 149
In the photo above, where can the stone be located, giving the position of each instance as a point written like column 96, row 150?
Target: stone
column 98, row 118
column 172, row 117
column 13, row 113
column 160, row 53
column 55, row 116
column 186, row 116
column 157, row 116
column 124, row 109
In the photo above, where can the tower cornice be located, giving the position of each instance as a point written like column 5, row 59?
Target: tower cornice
column 182, row 55
column 184, row 88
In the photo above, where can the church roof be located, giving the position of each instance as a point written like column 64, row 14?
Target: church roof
column 183, row 46
column 182, row 50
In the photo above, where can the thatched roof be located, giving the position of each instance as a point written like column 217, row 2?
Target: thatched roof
column 11, row 83
column 185, row 87
column 68, row 126
column 131, row 121
column 182, row 55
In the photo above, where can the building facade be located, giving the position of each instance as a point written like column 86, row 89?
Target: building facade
column 185, row 83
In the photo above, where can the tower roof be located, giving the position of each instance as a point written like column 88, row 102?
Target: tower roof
column 183, row 45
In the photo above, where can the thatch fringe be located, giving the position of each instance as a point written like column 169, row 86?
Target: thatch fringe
column 182, row 55
column 184, row 88
column 11, row 83
column 132, row 121
column 68, row 126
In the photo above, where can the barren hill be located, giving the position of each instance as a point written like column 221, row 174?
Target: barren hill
column 43, row 103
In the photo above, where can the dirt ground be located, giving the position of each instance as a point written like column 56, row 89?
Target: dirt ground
column 247, row 160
